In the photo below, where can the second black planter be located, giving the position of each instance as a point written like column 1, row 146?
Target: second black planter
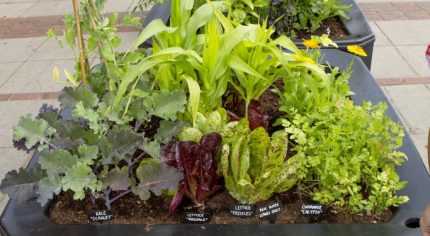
column 32, row 219
column 357, row 26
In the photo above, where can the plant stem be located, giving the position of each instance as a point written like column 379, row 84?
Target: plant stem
column 108, row 202
column 119, row 196
column 80, row 42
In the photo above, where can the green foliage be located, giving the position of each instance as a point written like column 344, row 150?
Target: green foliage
column 22, row 184
column 34, row 132
column 351, row 156
column 254, row 165
column 156, row 177
column 288, row 16
column 304, row 15
column 305, row 92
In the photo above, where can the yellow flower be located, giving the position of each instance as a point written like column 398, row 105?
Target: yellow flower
column 310, row 43
column 356, row 50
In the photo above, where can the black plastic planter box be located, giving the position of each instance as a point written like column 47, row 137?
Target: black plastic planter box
column 359, row 31
column 31, row 219
column 357, row 26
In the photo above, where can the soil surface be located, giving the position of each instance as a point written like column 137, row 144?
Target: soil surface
column 331, row 26
column 131, row 210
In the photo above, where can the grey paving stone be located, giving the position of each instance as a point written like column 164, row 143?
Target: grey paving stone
column 405, row 32
column 36, row 76
column 415, row 57
column 388, row 63
column 381, row 39
column 14, row 9
column 11, row 111
column 51, row 50
column 18, row 50
column 6, row 70
column 48, row 8
column 420, row 141
column 413, row 102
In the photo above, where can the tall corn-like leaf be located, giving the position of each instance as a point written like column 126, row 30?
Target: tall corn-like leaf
column 194, row 89
column 153, row 28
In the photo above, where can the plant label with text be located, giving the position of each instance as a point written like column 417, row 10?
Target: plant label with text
column 241, row 210
column 99, row 216
column 270, row 210
column 197, row 217
column 312, row 209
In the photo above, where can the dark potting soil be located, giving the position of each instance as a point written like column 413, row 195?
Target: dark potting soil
column 131, row 210
column 331, row 26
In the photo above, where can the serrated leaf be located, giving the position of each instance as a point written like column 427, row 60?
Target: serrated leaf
column 79, row 178
column 91, row 116
column 168, row 130
column 34, row 131
column 117, row 179
column 57, row 161
column 156, row 177
column 21, row 185
column 69, row 97
column 128, row 19
column 152, row 149
column 47, row 187
column 88, row 154
column 118, row 144
column 166, row 105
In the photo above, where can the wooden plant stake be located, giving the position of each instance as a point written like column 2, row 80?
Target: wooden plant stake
column 80, row 42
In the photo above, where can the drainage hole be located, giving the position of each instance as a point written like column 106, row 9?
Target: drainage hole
column 412, row 223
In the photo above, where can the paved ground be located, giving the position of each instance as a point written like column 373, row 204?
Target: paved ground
column 27, row 58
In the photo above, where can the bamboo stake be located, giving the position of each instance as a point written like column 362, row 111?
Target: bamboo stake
column 80, row 43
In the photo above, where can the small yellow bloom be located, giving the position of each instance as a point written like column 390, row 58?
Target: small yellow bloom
column 356, row 50
column 310, row 43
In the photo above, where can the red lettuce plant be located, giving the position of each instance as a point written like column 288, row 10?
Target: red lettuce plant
column 199, row 165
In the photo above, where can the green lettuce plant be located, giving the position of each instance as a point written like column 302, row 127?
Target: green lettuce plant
column 254, row 165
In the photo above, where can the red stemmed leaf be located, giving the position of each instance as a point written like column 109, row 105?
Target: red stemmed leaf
column 198, row 162
column 178, row 197
column 256, row 117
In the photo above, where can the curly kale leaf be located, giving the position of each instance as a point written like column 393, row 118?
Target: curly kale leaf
column 155, row 177
column 69, row 97
column 21, row 185
column 79, row 178
column 33, row 131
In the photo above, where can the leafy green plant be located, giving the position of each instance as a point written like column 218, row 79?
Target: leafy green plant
column 256, row 166
column 351, row 156
column 94, row 146
column 288, row 16
column 305, row 92
column 292, row 16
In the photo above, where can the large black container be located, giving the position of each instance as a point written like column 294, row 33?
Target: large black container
column 357, row 26
column 31, row 219
column 359, row 31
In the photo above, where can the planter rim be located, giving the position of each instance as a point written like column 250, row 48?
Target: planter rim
column 30, row 219
column 357, row 26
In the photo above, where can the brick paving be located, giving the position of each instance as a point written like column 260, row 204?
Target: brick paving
column 37, row 26
column 387, row 11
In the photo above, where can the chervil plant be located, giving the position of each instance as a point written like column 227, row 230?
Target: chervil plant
column 351, row 156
